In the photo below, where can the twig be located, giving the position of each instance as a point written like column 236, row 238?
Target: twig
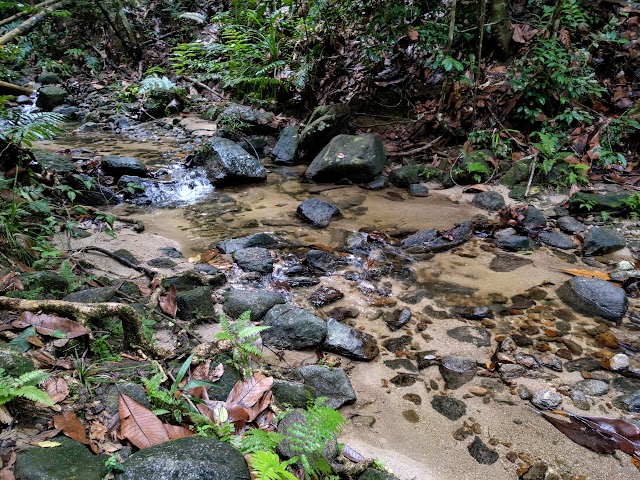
column 150, row 272
column 202, row 85
column 533, row 170
column 415, row 150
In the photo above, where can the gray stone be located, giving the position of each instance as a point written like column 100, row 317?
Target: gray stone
column 50, row 97
column 195, row 304
column 594, row 297
column 418, row 190
column 253, row 120
column 397, row 319
column 601, row 241
column 227, row 163
column 161, row 262
column 193, row 458
column 13, row 362
column 54, row 161
column 332, row 383
column 431, row 240
column 358, row 158
column 132, row 186
column 546, row 399
column 534, row 219
column 117, row 166
column 450, row 407
column 349, row 341
column 322, row 262
column 506, row 262
column 67, row 110
column 491, row 201
column 570, row 225
column 557, row 239
column 49, row 78
column 623, row 276
column 404, row 176
column 292, row 394
column 47, row 282
column 324, row 296
column 457, row 370
column 317, row 212
column 477, row 336
column 618, row 362
column 293, row 328
column 537, row 471
column 258, row 302
column 585, row 364
column 285, row 150
column 579, row 399
column 378, row 183
column 630, row 402
column 514, row 243
column 594, row 388
column 324, row 123
column 254, row 259
column 255, row 240
column 96, row 194
column 69, row 461
column 92, row 295
column 397, row 344
column 133, row 390
column 482, row 453
column 295, row 419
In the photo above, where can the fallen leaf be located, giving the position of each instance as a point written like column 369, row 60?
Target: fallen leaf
column 168, row 303
column 57, row 389
column 248, row 392
column 586, row 273
column 5, row 416
column 139, row 425
column 51, row 325
column 476, row 188
column 413, row 34
column 177, row 431
column 48, row 444
column 70, row 425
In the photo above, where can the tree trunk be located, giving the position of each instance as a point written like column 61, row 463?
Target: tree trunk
column 501, row 33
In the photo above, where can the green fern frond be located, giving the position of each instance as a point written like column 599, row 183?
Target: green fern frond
column 23, row 386
column 154, row 82
column 34, row 394
column 256, row 439
column 267, row 466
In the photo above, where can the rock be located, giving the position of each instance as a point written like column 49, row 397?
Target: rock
column 13, row 362
column 524, row 393
column 625, row 265
column 477, row 336
column 397, row 344
column 472, row 313
column 133, row 390
column 293, row 328
column 579, row 399
column 601, row 241
column 505, row 262
column 357, row 158
column 95, row 195
column 161, row 262
column 534, row 219
column 322, row 262
column 69, row 461
column 570, row 225
column 50, row 97
column 92, row 295
column 317, row 212
column 49, row 78
column 195, row 304
column 54, row 161
column 482, row 453
column 630, row 402
column 292, row 394
column 293, row 420
column 625, row 275
column 537, row 471
column 324, row 296
column 253, row 120
column 431, row 240
column 332, row 383
column 418, row 190
column 192, row 458
column 405, row 176
column 597, row 202
column 45, row 282
column 258, row 302
column 132, row 186
column 618, row 362
column 324, row 124
column 255, row 240
column 397, row 319
column 373, row 474
column 492, row 201
column 515, row 243
column 349, row 341
column 457, row 370
column 226, row 163
column 594, row 297
column 254, row 259
column 377, row 184
column 594, row 388
column 119, row 166
column 285, row 150
column 401, row 364
column 220, row 390
column 546, row 399
column 585, row 364
column 450, row 407
column 557, row 239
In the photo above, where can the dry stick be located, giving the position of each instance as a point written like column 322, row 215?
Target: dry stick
column 202, row 85
column 27, row 12
column 6, row 87
column 415, row 150
column 533, row 170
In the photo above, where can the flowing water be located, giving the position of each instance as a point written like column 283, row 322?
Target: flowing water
column 393, row 418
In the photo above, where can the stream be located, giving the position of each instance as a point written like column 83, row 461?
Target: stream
column 394, row 418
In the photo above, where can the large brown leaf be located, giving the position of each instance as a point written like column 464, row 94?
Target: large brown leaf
column 70, row 425
column 175, row 431
column 247, row 393
column 139, row 425
column 48, row 324
column 168, row 303
column 582, row 435
column 57, row 389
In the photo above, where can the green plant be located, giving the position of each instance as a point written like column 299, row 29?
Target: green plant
column 257, row 439
column 243, row 337
column 22, row 128
column 23, row 386
column 633, row 205
column 114, row 464
column 102, row 350
column 267, row 466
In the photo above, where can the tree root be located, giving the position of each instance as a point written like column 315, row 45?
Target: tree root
column 85, row 313
column 150, row 272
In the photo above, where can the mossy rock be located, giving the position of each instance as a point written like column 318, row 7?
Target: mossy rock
column 221, row 389
column 518, row 173
column 53, row 161
column 13, row 362
column 592, row 202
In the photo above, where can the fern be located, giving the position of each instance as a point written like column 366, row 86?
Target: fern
column 20, row 127
column 256, row 440
column 23, row 386
column 267, row 466
column 243, row 337
column 154, row 82
column 196, row 17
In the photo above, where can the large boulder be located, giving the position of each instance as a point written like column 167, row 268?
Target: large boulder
column 285, row 150
column 193, row 458
column 357, row 158
column 317, row 212
column 250, row 119
column 601, row 241
column 431, row 240
column 256, row 240
column 332, row 383
column 293, row 328
column 54, row 161
column 227, row 163
column 349, row 341
column 118, row 166
column 258, row 302
column 325, row 123
column 594, row 297
column 50, row 97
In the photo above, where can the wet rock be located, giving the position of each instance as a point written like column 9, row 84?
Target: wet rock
column 373, row 474
column 457, row 370
column 477, row 336
column 404, row 176
column 505, row 262
column 254, row 259
column 482, row 453
column 53, row 161
column 570, row 225
column 431, row 240
column 119, row 166
column 288, row 394
column 534, row 219
column 332, row 383
column 317, row 212
column 323, row 262
column 537, row 471
column 258, row 302
column 397, row 319
column 546, row 399
column 585, row 364
column 418, row 190
column 69, row 461
column 50, row 97
column 397, row 344
column 427, row 359
column 630, row 403
column 285, row 150
column 161, row 262
column 291, row 420
column 594, row 388
column 253, row 120
column 132, row 186
column 49, row 78
column 579, row 399
column 349, row 341
column 557, row 239
column 13, row 362
column 403, row 380
column 601, row 241
column 472, row 313
column 191, row 458
column 450, row 407
column 514, row 243
column 195, row 304
column 377, row 184
column 594, row 297
column 92, row 295
column 358, row 158
column 342, row 313
column 492, row 201
column 256, row 240
column 227, row 163
column 293, row 328
column 324, row 123
column 95, row 195
column 324, row 296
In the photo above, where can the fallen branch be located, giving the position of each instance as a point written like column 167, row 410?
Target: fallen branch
column 150, row 272
column 204, row 86
column 415, row 150
column 24, row 13
column 28, row 24
column 11, row 89
column 86, row 313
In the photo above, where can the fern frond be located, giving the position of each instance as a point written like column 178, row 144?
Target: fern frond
column 154, row 82
column 34, row 394
column 267, row 466
column 31, row 378
column 195, row 16
column 256, row 439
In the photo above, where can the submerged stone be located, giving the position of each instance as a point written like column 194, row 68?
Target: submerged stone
column 227, row 163
column 317, row 212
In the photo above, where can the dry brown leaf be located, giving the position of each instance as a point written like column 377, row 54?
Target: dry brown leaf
column 48, row 324
column 168, row 303
column 480, row 187
column 56, row 388
column 70, row 425
column 247, row 393
column 259, row 407
column 143, row 287
column 587, row 273
column 413, row 34
column 5, row 416
column 209, row 255
column 139, row 425
column 98, row 432
column 177, row 431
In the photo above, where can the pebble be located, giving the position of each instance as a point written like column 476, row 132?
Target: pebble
column 524, row 393
column 478, row 391
column 595, row 388
column 580, row 401
column 624, row 265
column 481, row 453
column 619, row 361
column 546, row 399
column 450, row 407
column 607, row 340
